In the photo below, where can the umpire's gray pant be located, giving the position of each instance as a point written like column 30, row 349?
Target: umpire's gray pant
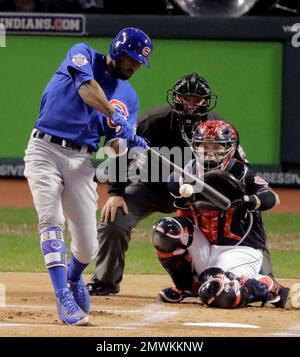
column 142, row 200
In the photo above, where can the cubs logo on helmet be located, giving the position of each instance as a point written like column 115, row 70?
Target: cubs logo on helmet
column 119, row 107
column 134, row 42
column 146, row 51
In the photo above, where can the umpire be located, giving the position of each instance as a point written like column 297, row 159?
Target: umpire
column 190, row 101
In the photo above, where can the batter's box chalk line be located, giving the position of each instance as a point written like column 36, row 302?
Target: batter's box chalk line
column 220, row 324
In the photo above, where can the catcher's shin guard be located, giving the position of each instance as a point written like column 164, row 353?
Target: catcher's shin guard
column 171, row 237
column 277, row 294
column 266, row 290
column 180, row 271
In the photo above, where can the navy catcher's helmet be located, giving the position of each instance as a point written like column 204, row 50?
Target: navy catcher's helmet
column 219, row 288
column 134, row 42
column 207, row 136
column 196, row 86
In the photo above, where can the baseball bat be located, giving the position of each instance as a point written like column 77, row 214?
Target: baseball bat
column 215, row 197
column 207, row 191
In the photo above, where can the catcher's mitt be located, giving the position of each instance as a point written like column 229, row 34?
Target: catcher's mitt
column 223, row 182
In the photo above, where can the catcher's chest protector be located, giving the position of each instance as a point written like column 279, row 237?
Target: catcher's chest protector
column 218, row 226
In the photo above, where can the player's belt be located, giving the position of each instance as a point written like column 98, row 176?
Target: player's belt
column 66, row 144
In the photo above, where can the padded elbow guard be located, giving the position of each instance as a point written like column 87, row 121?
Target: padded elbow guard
column 261, row 201
column 268, row 199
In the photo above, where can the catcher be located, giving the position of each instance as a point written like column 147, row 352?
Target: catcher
column 215, row 254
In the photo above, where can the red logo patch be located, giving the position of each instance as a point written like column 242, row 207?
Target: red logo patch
column 260, row 181
column 146, row 51
column 120, row 107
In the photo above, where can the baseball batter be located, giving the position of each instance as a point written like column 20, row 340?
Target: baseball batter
column 88, row 97
column 215, row 254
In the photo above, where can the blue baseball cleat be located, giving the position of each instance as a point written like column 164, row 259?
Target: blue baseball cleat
column 81, row 294
column 68, row 311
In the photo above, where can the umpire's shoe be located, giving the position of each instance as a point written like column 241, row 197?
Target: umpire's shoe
column 81, row 294
column 68, row 311
column 174, row 295
column 99, row 288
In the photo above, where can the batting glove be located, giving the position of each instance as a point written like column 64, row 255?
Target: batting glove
column 138, row 141
column 126, row 131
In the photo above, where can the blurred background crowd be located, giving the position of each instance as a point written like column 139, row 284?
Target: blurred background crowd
column 158, row 7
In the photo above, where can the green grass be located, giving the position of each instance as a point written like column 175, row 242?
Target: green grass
column 23, row 254
column 286, row 264
column 274, row 222
column 18, row 216
column 282, row 222
column 20, row 251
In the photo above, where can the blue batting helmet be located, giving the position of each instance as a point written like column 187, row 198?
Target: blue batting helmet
column 134, row 42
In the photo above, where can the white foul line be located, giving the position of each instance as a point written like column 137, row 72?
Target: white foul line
column 220, row 324
column 15, row 324
column 156, row 317
column 95, row 308
column 292, row 331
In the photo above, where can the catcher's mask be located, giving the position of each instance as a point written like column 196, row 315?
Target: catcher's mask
column 214, row 143
column 219, row 288
column 191, row 99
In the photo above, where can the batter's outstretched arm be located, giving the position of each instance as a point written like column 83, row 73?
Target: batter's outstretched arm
column 93, row 95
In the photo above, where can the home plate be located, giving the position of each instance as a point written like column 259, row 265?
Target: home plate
column 220, row 324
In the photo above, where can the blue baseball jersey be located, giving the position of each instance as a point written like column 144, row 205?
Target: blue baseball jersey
column 63, row 113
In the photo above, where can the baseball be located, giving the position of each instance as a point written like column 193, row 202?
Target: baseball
column 186, row 190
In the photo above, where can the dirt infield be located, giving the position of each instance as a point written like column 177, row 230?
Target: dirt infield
column 15, row 193
column 30, row 306
column 30, row 311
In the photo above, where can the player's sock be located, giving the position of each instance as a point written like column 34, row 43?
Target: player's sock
column 58, row 277
column 75, row 269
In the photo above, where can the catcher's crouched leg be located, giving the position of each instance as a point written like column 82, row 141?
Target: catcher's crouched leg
column 277, row 294
column 264, row 290
column 171, row 238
